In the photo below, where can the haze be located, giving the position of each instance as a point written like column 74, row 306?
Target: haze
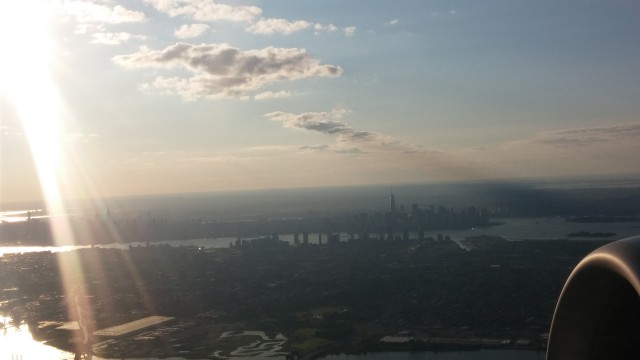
column 194, row 96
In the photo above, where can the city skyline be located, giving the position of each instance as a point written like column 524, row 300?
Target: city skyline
column 171, row 96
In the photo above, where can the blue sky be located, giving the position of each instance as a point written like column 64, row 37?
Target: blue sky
column 165, row 96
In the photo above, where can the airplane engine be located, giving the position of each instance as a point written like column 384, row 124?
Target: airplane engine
column 598, row 313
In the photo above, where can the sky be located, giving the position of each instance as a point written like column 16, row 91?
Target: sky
column 128, row 97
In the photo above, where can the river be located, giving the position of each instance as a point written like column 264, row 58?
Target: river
column 516, row 229
column 16, row 341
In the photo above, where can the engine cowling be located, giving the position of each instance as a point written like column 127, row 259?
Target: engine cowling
column 598, row 313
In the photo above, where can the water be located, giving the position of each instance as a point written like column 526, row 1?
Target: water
column 22, row 215
column 512, row 229
column 17, row 343
column 267, row 347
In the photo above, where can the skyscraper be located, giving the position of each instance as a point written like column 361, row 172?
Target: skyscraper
column 392, row 203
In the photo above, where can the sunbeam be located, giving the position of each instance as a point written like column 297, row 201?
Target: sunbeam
column 27, row 83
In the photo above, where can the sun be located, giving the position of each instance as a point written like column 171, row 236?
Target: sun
column 27, row 54
column 26, row 42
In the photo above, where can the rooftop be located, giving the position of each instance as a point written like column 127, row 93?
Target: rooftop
column 134, row 326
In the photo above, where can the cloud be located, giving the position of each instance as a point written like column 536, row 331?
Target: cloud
column 325, row 122
column 350, row 151
column 191, row 31
column 269, row 148
column 88, row 14
column 206, row 10
column 350, row 30
column 319, row 147
column 318, row 27
column 329, row 123
column 282, row 26
column 114, row 38
column 349, row 140
column 272, row 95
column 392, row 22
column 209, row 10
column 603, row 149
column 222, row 71
column 286, row 27
column 614, row 134
column 220, row 159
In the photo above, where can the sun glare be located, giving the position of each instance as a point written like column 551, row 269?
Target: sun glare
column 17, row 343
column 27, row 82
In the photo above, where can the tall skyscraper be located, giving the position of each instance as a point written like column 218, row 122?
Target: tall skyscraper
column 392, row 203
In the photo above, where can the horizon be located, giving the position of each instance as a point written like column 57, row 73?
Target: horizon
column 332, row 199
column 124, row 98
column 452, row 159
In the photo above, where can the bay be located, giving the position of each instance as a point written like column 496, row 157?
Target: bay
column 515, row 229
column 18, row 338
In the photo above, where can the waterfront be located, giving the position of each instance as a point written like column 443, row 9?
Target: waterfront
column 336, row 297
column 17, row 342
column 346, row 277
column 515, row 229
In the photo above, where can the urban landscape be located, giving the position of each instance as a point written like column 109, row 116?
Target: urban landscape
column 329, row 180
column 368, row 282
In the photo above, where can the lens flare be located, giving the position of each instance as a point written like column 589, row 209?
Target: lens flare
column 25, row 70
column 27, row 82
